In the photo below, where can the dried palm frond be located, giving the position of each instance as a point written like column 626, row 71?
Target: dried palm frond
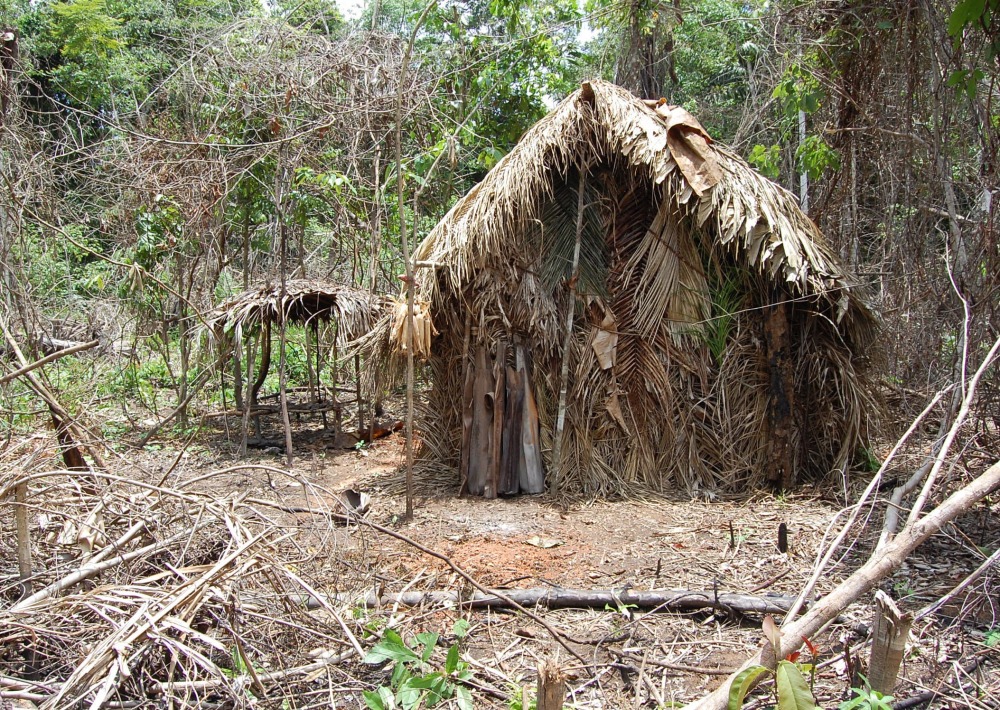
column 302, row 301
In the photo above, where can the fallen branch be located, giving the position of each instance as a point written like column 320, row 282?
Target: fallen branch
column 875, row 569
column 80, row 347
column 553, row 632
column 200, row 685
column 96, row 567
column 549, row 598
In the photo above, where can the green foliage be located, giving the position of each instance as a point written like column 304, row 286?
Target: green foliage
column 814, row 157
column 84, row 29
column 414, row 682
column 993, row 637
column 767, row 160
column 743, row 683
column 791, row 689
column 726, row 302
column 867, row 460
column 799, row 90
column 867, row 699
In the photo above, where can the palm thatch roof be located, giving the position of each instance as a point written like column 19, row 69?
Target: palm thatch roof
column 302, row 301
column 683, row 249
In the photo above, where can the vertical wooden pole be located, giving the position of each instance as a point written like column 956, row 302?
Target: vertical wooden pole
column 468, row 378
column 781, row 407
column 23, row 535
column 891, row 630
column 499, row 402
column 405, row 243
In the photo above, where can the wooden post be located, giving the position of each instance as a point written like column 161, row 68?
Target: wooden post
column 468, row 376
column 499, row 403
column 781, row 406
column 531, row 476
column 23, row 535
column 551, row 686
column 557, row 437
column 891, row 630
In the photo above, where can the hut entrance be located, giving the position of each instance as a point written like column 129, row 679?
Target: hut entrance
column 501, row 450
column 327, row 313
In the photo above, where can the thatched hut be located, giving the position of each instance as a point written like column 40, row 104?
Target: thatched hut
column 254, row 314
column 716, row 343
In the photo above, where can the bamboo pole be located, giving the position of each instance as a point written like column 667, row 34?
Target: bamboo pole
column 23, row 535
column 400, row 202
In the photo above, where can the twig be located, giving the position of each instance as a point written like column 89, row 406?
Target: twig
column 49, row 358
column 676, row 666
column 856, row 509
column 878, row 566
column 169, row 686
column 89, row 570
column 931, row 608
column 553, row 632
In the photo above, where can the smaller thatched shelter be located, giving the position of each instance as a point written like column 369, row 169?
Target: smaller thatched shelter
column 255, row 312
column 639, row 308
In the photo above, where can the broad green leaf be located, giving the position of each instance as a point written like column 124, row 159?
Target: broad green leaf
column 409, row 695
column 965, row 12
column 742, row 684
column 391, row 648
column 451, row 662
column 793, row 690
column 379, row 700
column 428, row 640
column 461, row 628
column 463, row 698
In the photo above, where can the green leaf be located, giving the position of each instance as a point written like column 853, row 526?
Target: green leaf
column 742, row 685
column 793, row 690
column 379, row 700
column 391, row 648
column 463, row 698
column 451, row 662
column 461, row 628
column 965, row 13
column 428, row 640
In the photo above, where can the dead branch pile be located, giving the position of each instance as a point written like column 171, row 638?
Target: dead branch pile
column 148, row 591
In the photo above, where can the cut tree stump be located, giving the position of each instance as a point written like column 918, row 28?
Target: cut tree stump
column 889, row 635
column 551, row 686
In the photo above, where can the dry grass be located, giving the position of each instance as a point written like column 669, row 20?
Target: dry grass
column 237, row 587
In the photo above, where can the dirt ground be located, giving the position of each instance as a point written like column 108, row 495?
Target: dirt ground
column 658, row 659
column 613, row 657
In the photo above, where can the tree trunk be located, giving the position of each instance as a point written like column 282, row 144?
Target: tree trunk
column 781, row 459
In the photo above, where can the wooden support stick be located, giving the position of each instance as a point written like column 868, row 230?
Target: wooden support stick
column 23, row 536
column 557, row 437
column 891, row 630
